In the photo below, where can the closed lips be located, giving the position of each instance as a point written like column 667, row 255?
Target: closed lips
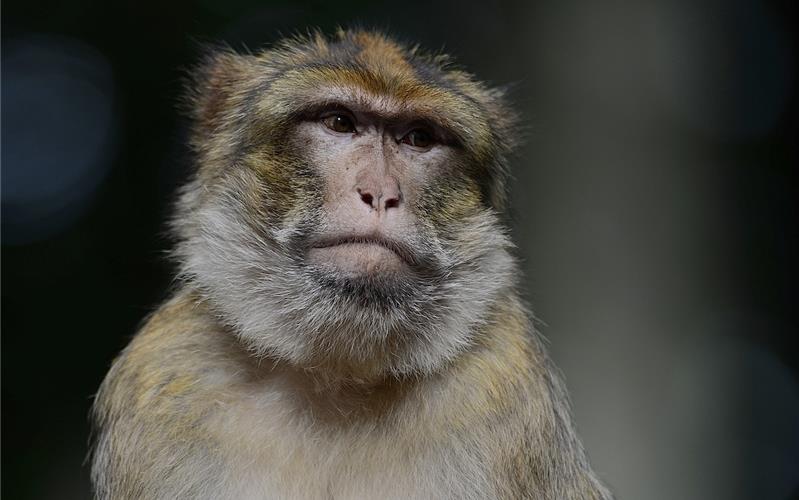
column 401, row 250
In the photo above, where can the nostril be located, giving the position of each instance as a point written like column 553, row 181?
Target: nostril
column 367, row 198
column 392, row 203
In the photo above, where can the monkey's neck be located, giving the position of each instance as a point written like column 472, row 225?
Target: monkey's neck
column 500, row 352
column 329, row 393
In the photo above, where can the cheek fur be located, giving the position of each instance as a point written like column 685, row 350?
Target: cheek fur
column 287, row 186
column 449, row 200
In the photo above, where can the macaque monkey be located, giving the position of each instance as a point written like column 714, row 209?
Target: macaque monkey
column 347, row 323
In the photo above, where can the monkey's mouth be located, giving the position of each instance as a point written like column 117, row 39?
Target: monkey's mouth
column 374, row 252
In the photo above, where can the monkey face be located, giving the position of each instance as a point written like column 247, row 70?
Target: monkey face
column 372, row 169
column 345, row 212
column 377, row 170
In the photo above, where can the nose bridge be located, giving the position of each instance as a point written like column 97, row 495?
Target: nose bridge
column 380, row 162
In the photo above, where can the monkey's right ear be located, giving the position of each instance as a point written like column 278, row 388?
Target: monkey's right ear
column 216, row 90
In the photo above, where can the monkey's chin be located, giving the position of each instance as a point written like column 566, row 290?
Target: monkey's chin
column 358, row 259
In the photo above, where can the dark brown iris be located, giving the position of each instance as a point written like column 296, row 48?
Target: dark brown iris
column 419, row 138
column 339, row 123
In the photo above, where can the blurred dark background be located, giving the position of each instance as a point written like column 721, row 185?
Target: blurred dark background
column 654, row 206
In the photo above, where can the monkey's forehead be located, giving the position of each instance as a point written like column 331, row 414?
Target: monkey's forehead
column 370, row 51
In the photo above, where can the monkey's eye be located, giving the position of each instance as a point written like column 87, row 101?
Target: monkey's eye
column 339, row 123
column 419, row 138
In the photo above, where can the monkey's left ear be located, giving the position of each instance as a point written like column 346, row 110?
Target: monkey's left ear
column 215, row 93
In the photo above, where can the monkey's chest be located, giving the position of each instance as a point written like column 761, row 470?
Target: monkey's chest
column 283, row 457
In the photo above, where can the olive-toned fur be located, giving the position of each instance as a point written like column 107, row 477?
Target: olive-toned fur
column 267, row 376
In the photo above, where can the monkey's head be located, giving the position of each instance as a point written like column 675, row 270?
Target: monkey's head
column 345, row 211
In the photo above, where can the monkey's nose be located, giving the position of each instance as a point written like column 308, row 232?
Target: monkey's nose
column 381, row 196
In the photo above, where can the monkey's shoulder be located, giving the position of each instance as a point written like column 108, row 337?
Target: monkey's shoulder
column 177, row 356
column 150, row 440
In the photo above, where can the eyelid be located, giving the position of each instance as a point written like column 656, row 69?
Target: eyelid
column 418, row 126
column 430, row 130
column 328, row 112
